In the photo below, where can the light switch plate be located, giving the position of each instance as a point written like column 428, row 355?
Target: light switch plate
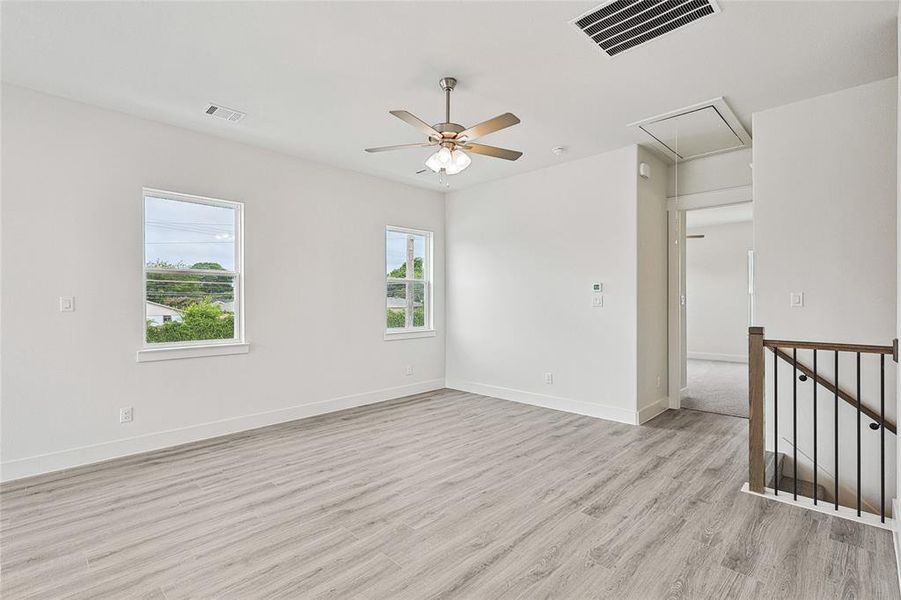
column 597, row 301
column 796, row 299
column 66, row 304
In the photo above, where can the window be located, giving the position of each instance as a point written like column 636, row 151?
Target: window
column 192, row 272
column 408, row 260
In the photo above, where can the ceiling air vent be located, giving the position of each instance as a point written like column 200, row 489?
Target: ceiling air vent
column 220, row 112
column 618, row 25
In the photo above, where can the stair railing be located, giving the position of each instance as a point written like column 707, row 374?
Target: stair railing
column 757, row 345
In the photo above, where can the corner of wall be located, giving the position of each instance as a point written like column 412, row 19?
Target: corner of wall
column 651, row 286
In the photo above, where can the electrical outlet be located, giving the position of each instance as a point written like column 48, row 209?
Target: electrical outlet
column 549, row 378
column 408, row 370
column 126, row 415
column 658, row 382
column 66, row 304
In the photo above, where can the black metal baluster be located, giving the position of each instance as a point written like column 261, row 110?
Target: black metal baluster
column 775, row 421
column 836, row 430
column 795, row 421
column 858, row 434
column 815, row 381
column 882, row 437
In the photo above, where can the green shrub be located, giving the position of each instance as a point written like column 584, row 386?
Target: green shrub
column 395, row 318
column 201, row 321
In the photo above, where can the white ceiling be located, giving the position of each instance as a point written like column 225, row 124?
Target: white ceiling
column 719, row 215
column 317, row 79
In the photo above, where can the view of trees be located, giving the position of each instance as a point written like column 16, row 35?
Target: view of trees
column 397, row 316
column 195, row 296
column 182, row 290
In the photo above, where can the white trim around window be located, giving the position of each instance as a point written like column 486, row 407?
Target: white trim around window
column 151, row 351
column 410, row 282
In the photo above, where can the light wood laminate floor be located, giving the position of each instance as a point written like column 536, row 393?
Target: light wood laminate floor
column 440, row 495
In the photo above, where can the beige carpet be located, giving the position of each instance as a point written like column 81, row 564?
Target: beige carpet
column 717, row 387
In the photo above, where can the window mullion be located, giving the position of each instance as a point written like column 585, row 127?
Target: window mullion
column 410, row 273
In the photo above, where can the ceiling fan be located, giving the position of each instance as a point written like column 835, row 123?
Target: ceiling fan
column 452, row 138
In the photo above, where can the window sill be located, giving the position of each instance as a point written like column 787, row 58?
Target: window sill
column 409, row 335
column 176, row 352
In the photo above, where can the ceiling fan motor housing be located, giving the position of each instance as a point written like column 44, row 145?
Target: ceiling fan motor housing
column 448, row 132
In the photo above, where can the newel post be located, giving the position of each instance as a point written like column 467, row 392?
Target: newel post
column 756, row 370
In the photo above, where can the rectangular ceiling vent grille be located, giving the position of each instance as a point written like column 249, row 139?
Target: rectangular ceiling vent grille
column 220, row 112
column 619, row 25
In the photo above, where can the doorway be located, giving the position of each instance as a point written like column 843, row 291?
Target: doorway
column 715, row 262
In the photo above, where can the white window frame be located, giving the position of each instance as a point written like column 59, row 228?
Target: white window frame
column 427, row 329
column 150, row 352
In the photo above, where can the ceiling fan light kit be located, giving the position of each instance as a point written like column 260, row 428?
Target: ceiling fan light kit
column 452, row 138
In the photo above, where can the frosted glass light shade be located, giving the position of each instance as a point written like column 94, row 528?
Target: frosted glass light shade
column 434, row 163
column 458, row 163
column 451, row 162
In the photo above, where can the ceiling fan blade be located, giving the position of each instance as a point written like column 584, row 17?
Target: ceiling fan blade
column 490, row 126
column 493, row 151
column 416, row 122
column 400, row 147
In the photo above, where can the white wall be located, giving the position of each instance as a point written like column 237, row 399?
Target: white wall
column 71, row 225
column 825, row 186
column 523, row 253
column 719, row 171
column 652, row 288
column 717, row 291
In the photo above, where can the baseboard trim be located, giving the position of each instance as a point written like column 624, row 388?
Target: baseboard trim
column 649, row 412
column 86, row 455
column 735, row 358
column 843, row 512
column 579, row 407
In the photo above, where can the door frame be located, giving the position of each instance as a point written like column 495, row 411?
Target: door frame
column 676, row 208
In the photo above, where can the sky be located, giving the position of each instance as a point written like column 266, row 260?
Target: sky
column 188, row 232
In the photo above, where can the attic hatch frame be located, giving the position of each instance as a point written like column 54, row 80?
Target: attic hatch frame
column 723, row 110
column 708, row 7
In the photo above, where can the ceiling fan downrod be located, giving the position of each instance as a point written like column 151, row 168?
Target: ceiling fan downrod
column 447, row 84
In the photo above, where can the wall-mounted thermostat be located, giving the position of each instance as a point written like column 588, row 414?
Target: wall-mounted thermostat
column 597, row 287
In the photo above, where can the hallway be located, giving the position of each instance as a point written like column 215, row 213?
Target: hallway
column 717, row 387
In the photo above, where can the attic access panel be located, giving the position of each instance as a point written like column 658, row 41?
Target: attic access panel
column 699, row 130
column 619, row 25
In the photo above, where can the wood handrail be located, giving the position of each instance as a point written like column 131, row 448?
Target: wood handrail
column 757, row 345
column 847, row 397
column 832, row 347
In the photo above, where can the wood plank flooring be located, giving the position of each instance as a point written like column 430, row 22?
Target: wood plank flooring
column 440, row 495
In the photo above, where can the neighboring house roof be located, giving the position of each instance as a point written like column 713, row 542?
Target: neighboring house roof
column 400, row 302
column 155, row 309
column 226, row 306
